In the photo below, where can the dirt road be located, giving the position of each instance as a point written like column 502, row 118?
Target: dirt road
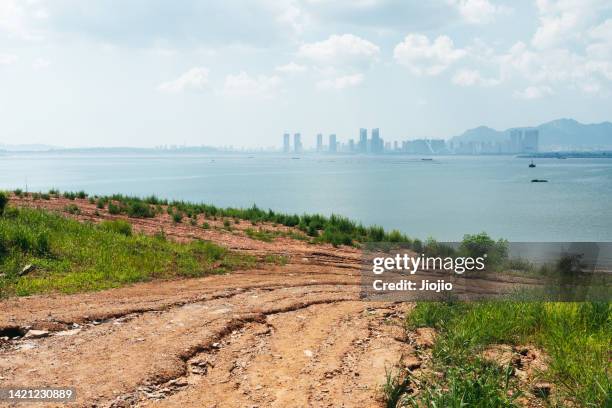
column 295, row 335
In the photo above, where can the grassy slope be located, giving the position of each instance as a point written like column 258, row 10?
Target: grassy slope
column 72, row 256
column 575, row 336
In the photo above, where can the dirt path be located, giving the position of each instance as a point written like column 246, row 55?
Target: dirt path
column 286, row 336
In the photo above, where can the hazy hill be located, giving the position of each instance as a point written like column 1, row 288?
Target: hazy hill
column 26, row 147
column 560, row 134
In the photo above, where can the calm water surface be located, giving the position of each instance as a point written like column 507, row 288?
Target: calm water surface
column 444, row 198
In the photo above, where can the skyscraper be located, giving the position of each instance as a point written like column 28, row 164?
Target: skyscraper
column 297, row 143
column 319, row 143
column 333, row 147
column 363, row 140
column 377, row 142
column 286, row 143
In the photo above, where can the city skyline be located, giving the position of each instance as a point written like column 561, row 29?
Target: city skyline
column 517, row 141
column 229, row 72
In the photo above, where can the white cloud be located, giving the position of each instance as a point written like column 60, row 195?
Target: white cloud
column 243, row 84
column 17, row 17
column 565, row 20
column 342, row 82
column 194, row 79
column 533, row 92
column 479, row 11
column 291, row 68
column 339, row 50
column 471, row 77
column 6, row 59
column 602, row 31
column 423, row 57
column 41, row 63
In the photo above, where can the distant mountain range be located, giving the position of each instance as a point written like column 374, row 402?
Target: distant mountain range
column 558, row 135
column 27, row 147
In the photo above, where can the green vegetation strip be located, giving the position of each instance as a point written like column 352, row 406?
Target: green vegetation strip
column 575, row 336
column 68, row 256
column 335, row 229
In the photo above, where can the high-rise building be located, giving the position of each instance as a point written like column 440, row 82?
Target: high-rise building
column 351, row 145
column 363, row 140
column 516, row 140
column 297, row 143
column 333, row 146
column 319, row 143
column 286, row 143
column 530, row 140
column 377, row 142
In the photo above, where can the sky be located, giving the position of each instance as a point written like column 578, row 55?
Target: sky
column 241, row 73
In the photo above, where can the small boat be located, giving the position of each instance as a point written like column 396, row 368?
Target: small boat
column 539, row 181
column 532, row 165
column 426, row 159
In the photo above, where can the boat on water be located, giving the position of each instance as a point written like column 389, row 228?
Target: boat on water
column 426, row 159
column 539, row 181
column 532, row 164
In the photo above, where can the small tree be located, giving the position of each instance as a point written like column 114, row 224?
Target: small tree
column 3, row 201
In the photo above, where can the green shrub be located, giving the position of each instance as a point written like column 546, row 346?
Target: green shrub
column 81, row 194
column 113, row 208
column 177, row 217
column 4, row 198
column 18, row 192
column 101, row 203
column 117, row 226
column 206, row 225
column 138, row 209
column 72, row 209
column 480, row 244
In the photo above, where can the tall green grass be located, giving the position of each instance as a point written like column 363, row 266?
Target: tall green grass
column 575, row 336
column 70, row 256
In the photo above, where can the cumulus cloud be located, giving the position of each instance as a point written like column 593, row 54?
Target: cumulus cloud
column 472, row 77
column 533, row 92
column 479, row 11
column 424, row 57
column 563, row 21
column 196, row 79
column 340, row 49
column 291, row 68
column 341, row 82
column 243, row 84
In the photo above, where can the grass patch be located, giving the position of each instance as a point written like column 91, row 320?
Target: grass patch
column 575, row 336
column 276, row 259
column 260, row 234
column 335, row 229
column 70, row 256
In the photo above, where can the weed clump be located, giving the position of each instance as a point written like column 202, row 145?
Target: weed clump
column 117, row 226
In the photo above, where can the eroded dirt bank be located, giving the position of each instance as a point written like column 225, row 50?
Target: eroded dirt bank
column 294, row 335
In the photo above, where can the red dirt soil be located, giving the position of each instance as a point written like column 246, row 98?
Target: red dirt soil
column 295, row 335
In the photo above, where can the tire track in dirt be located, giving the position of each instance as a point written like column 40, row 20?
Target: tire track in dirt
column 279, row 336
